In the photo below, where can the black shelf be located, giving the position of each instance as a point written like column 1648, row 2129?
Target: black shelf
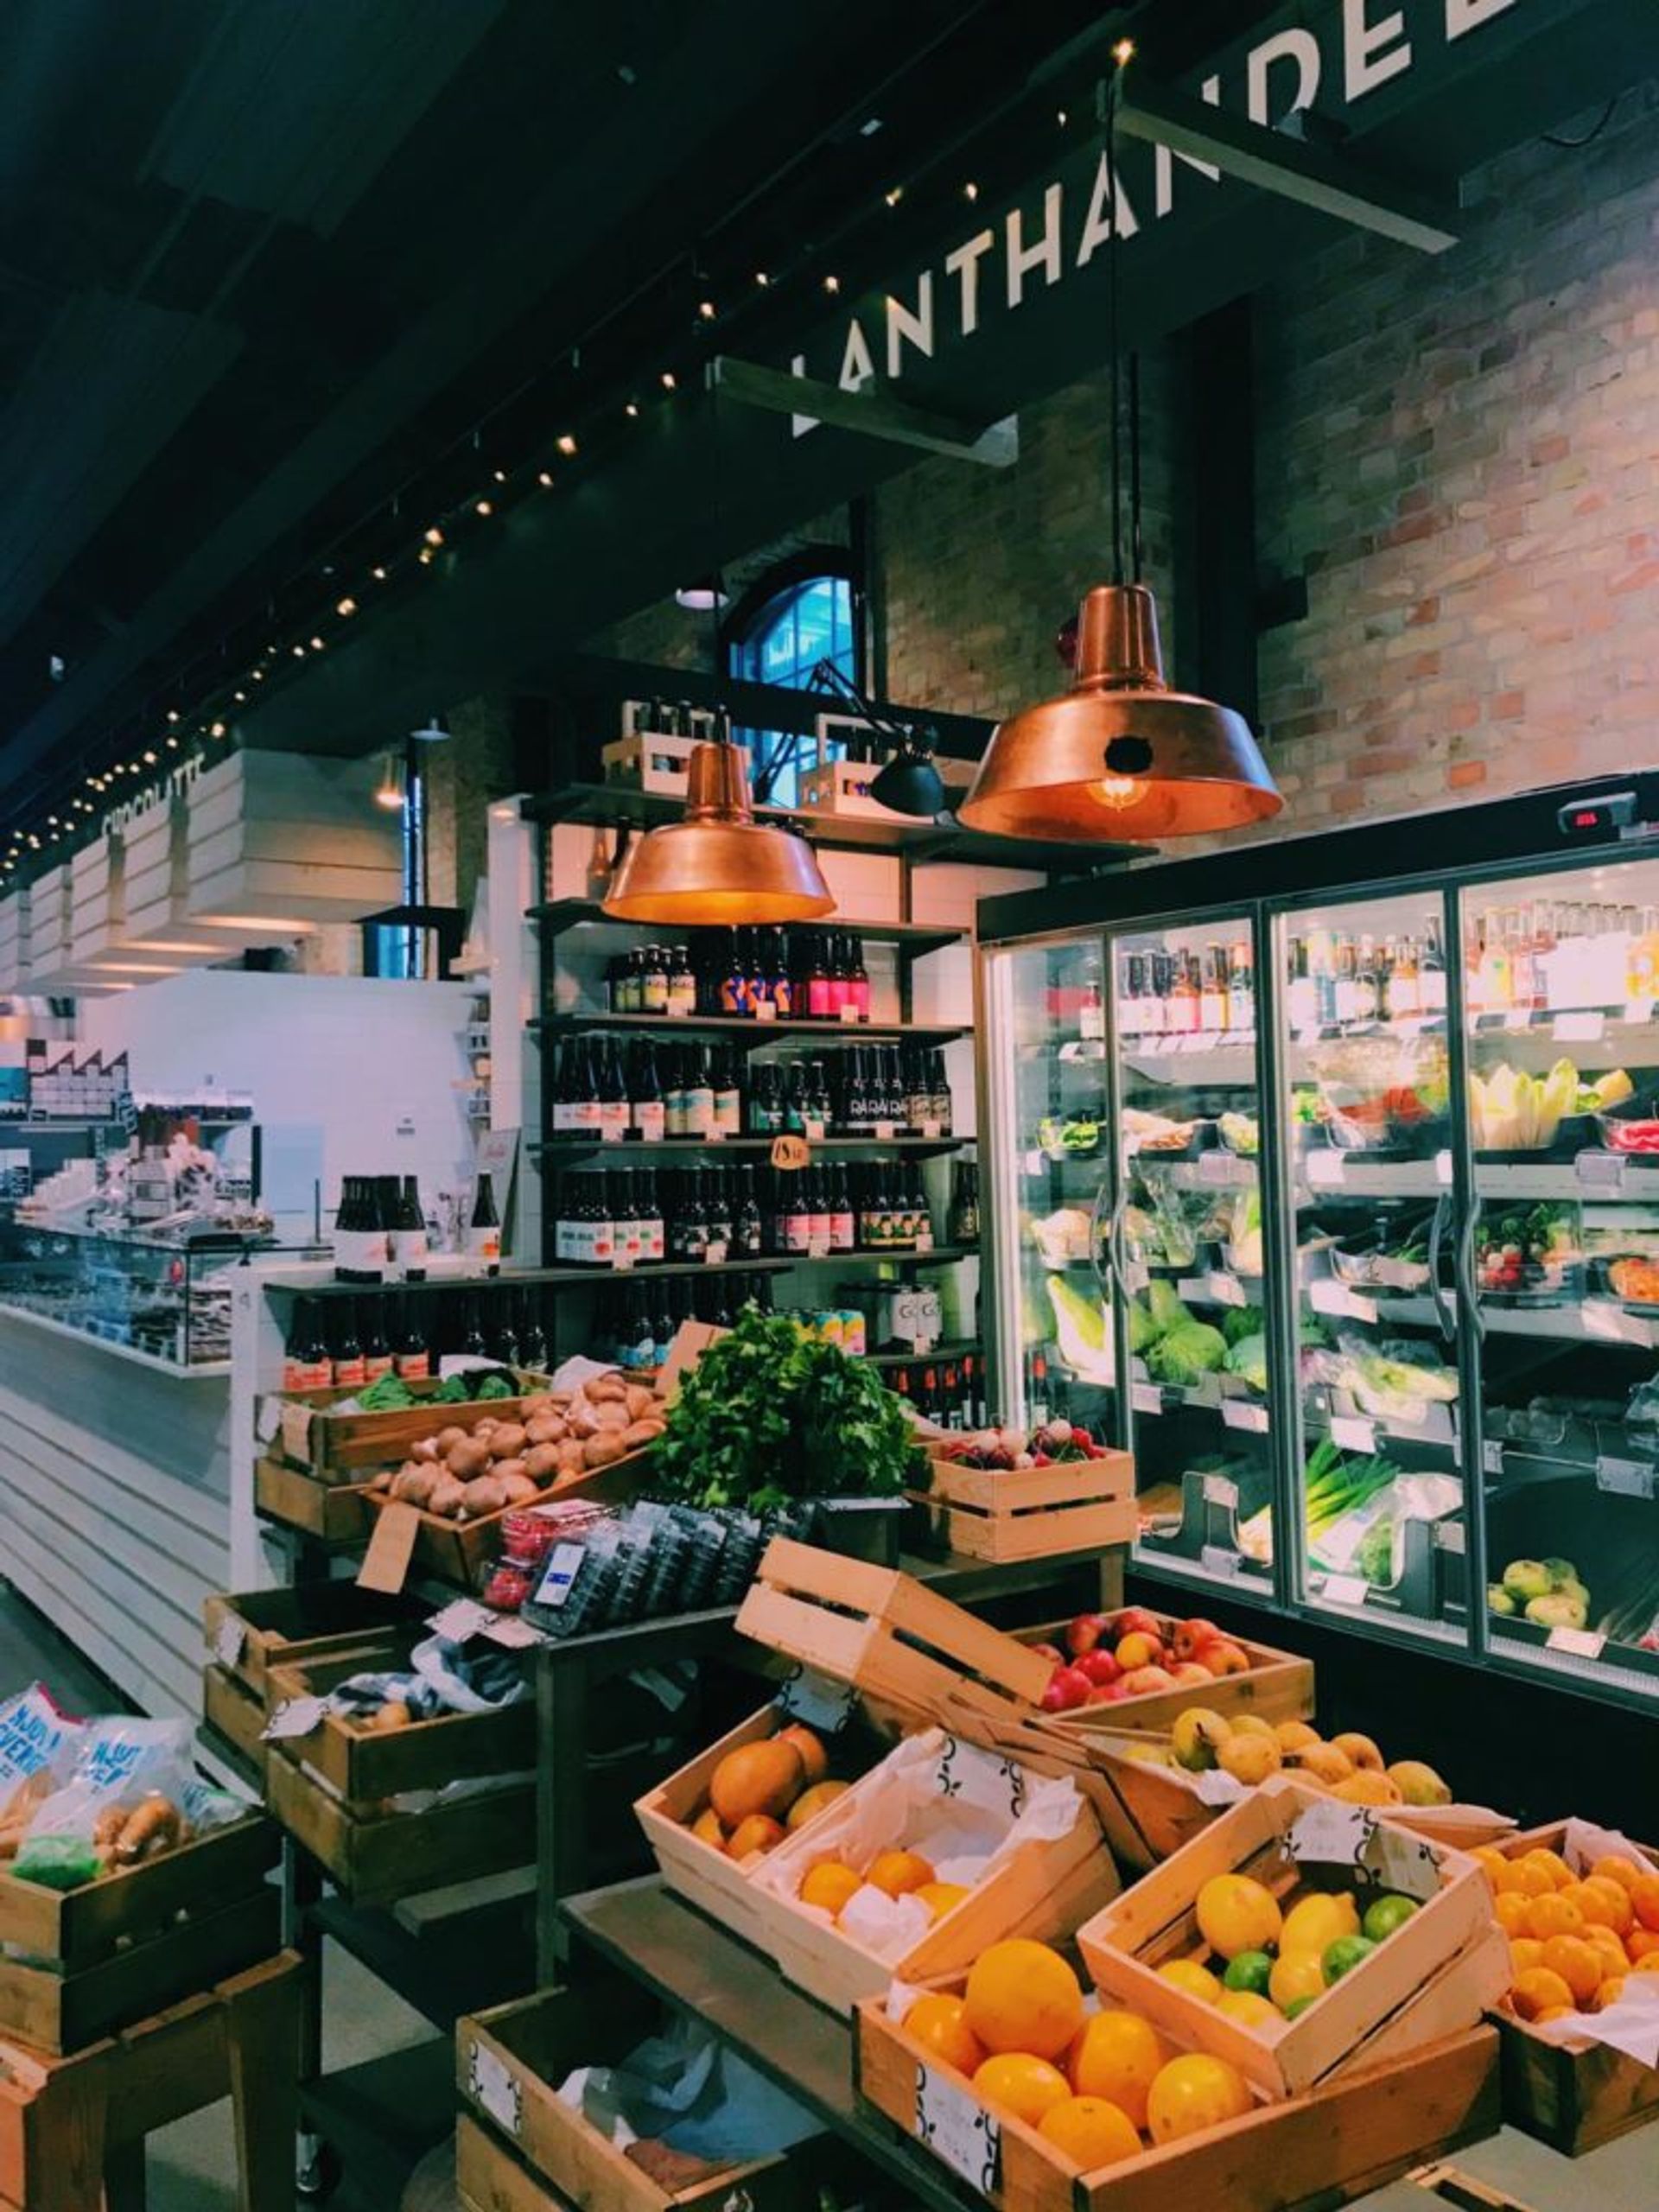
column 619, row 1154
column 740, row 1025
column 915, row 938
column 612, row 805
column 653, row 1271
column 947, row 1348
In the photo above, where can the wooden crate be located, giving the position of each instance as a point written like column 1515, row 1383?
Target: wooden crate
column 1031, row 1512
column 509, row 2064
column 1575, row 2095
column 336, row 1447
column 116, row 1949
column 723, row 1887
column 377, row 1859
column 235, row 1720
column 901, row 1644
column 1322, row 2149
column 464, row 1552
column 1046, row 1891
column 1278, row 1687
column 325, row 1512
column 361, row 1766
column 1364, row 2014
column 249, row 1634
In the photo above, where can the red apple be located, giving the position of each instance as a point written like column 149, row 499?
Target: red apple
column 1140, row 1680
column 1069, row 1689
column 1086, row 1632
column 1112, row 1694
column 1135, row 1620
column 1051, row 1652
column 1192, row 1672
column 1223, row 1658
column 1191, row 1636
column 1139, row 1650
column 1099, row 1666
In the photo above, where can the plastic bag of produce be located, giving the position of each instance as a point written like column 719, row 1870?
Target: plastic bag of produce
column 37, row 1742
column 122, row 1803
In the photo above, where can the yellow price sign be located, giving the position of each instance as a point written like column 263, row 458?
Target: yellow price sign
column 791, row 1151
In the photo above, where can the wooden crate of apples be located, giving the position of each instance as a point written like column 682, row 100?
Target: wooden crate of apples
column 1135, row 1669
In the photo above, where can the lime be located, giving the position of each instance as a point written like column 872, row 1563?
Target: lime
column 1344, row 1955
column 1249, row 1970
column 1384, row 1914
column 1298, row 2005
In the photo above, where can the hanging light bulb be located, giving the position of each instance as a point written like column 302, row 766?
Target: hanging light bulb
column 1120, row 752
column 390, row 790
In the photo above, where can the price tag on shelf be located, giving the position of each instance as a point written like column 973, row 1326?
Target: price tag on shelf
column 1322, row 1168
column 1326, row 1295
column 1239, row 1413
column 1221, row 1489
column 1226, row 1289
column 963, row 2133
column 1583, row 1027
column 1624, row 1478
column 931, row 1131
column 789, row 1153
column 1491, row 1456
column 1519, row 1017
column 1600, row 1171
column 1145, row 1397
column 268, row 1420
column 850, row 1017
column 1443, row 1169
column 1637, row 1013
column 812, row 1128
column 1581, row 1642
column 763, row 1010
column 886, row 1132
column 714, row 1252
column 622, row 1264
column 229, row 1639
column 679, row 1014
column 1220, row 1170
column 818, row 1248
column 1353, row 1432
column 1345, row 1589
column 490, row 2085
column 458, row 1622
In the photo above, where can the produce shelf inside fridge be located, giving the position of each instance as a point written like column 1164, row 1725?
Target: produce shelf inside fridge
column 1186, row 1247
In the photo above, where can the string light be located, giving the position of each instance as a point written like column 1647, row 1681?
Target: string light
column 172, row 744
column 631, row 409
column 832, row 284
column 566, row 444
column 668, row 379
column 706, row 310
column 317, row 645
column 216, row 729
column 761, row 278
column 1123, row 52
column 150, row 760
column 894, row 197
column 544, row 478
column 172, row 714
column 240, row 697
column 435, row 536
column 379, row 575
column 970, row 191
column 500, row 475
column 483, row 508
column 347, row 606
column 1060, row 118
column 299, row 653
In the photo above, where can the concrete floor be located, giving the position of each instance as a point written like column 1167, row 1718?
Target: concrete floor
column 192, row 2165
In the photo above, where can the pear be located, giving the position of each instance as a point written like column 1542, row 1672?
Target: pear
column 1419, row 1785
column 1197, row 1737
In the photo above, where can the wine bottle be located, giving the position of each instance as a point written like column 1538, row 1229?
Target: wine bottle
column 843, row 1236
column 647, row 1113
column 532, row 1336
column 377, row 1348
column 728, row 1102
column 411, row 1247
column 503, row 1329
column 653, row 981
column 413, row 1357
column 306, row 1363
column 359, row 1240
column 483, row 1230
column 748, row 1232
column 858, row 979
column 648, row 1215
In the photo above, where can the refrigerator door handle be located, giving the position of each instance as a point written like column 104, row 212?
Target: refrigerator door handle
column 1114, row 1261
column 1446, row 1305
column 1466, row 1282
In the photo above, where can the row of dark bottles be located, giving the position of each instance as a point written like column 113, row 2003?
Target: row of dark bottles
column 642, row 1090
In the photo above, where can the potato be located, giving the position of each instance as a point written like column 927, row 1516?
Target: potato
column 507, row 1440
column 571, row 1461
column 535, row 1404
column 520, row 1489
column 613, row 1412
column 546, row 1428
column 447, row 1495
column 413, row 1485
column 601, row 1451
column 394, row 1714
column 485, row 1495
column 448, row 1438
column 639, row 1431
column 487, row 1427
column 383, row 1481
column 468, row 1457
column 583, row 1419
column 604, row 1388
column 542, row 1462
column 507, row 1471
column 425, row 1450
column 641, row 1402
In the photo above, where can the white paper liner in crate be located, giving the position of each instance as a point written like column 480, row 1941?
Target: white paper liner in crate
column 967, row 1812
column 684, row 2088
column 1213, row 1786
column 1631, row 2025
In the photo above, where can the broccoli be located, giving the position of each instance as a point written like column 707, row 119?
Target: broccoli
column 1374, row 1556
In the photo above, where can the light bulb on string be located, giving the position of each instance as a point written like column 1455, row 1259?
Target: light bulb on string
column 434, row 536
column 379, row 574
column 485, row 507
column 832, row 284
column 631, row 411
column 346, row 607
column 566, row 444
column 500, row 475
column 216, row 729
column 172, row 714
column 544, row 478
column 317, row 645
column 667, row 380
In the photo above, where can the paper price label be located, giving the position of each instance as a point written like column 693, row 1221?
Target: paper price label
column 294, row 1718
column 1239, row 1413
column 930, row 1130
column 268, row 1420
column 297, row 1433
column 1221, row 1489
column 789, row 1153
column 1145, row 1397
column 511, row 1633
column 1227, row 1290
column 1221, row 1168
column 1443, row 1170
column 886, row 1132
column 850, row 1016
column 818, row 1248
column 1322, row 1168
column 958, row 2130
column 1581, row 1642
column 493, row 2088
column 1600, row 1171
column 465, row 1617
column 1584, row 1027
column 1638, row 1011
column 713, row 1254
column 1327, row 1296
column 1352, row 1433
column 1491, row 1456
column 763, row 1010
column 229, row 1639
column 1518, row 1017
column 818, row 1700
column 1345, row 1589
column 1625, row 1477
column 1380, row 1856
column 564, row 1563
column 622, row 1264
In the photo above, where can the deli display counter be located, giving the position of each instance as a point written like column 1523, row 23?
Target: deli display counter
column 1325, row 1176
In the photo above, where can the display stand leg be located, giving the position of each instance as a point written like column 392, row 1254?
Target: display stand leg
column 262, row 2034
column 301, row 1890
column 124, row 2183
column 561, row 1694
column 67, row 2173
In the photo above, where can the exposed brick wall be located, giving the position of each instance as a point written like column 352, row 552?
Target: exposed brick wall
column 668, row 635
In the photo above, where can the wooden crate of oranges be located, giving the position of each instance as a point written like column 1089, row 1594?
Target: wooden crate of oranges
column 1581, row 1913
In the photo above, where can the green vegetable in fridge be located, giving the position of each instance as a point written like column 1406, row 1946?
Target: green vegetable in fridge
column 1512, row 1111
column 1499, row 1599
column 1561, row 1572
column 1164, row 1306
column 1239, row 1322
column 1049, row 1136
column 1374, row 1558
column 1244, row 1232
column 1143, row 1329
column 1525, row 1579
column 1082, row 1134
column 1557, row 1610
column 1248, row 1357
column 1185, row 1354
column 1080, row 1329
column 1396, row 1389
column 1241, row 1133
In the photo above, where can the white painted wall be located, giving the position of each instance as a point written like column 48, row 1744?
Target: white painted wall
column 335, row 1064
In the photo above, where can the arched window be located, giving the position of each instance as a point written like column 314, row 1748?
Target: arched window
column 798, row 614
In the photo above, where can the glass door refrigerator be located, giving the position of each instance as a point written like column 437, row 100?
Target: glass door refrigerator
column 1325, row 1180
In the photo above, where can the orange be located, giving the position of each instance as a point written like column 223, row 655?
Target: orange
column 1090, row 2131
column 1605, row 1903
column 1491, row 1860
column 1525, row 1875
column 1514, row 1912
column 1526, row 1951
column 941, row 2024
column 940, row 1897
column 1609, row 1993
column 1537, row 1990
column 1022, row 1996
column 1611, row 1868
column 1555, row 1915
column 829, row 1884
column 1248, row 2007
column 1644, row 1896
column 898, row 1871
column 1194, row 2091
column 1640, row 1943
column 1552, row 2012
column 1577, row 1963
column 1552, row 1863
column 1647, row 1964
column 1197, row 1981
column 1614, row 1957
column 1012, row 2081
column 1116, row 2056
column 755, row 1832
column 1236, row 1913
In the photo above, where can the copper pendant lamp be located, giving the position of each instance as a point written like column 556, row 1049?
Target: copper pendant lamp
column 719, row 866
column 1120, row 755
